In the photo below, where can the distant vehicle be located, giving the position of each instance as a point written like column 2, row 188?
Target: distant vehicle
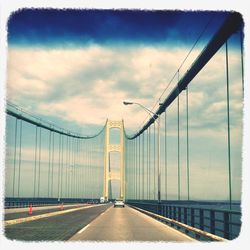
column 119, row 203
column 102, row 200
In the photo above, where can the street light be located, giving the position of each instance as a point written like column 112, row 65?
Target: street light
column 153, row 115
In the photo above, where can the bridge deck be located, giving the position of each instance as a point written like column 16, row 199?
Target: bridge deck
column 58, row 227
column 127, row 224
column 97, row 223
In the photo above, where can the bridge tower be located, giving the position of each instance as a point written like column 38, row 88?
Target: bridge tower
column 108, row 175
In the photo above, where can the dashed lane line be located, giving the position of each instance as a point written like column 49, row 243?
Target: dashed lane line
column 84, row 228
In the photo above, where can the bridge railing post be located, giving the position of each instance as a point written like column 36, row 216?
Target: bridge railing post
column 212, row 222
column 192, row 217
column 201, row 219
column 174, row 215
column 179, row 214
column 226, row 225
column 185, row 215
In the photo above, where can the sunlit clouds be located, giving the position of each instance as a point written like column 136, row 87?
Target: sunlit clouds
column 88, row 85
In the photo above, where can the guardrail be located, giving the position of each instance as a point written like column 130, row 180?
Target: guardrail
column 10, row 202
column 196, row 221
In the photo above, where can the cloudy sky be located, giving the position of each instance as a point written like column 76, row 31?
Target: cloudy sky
column 76, row 67
column 79, row 66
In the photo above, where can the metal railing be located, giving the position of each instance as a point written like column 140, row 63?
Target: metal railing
column 39, row 202
column 221, row 222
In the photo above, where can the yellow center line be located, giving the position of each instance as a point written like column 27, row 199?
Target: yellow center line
column 41, row 216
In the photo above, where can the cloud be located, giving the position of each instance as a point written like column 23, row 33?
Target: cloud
column 88, row 85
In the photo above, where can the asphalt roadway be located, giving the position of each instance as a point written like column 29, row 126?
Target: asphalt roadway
column 127, row 224
column 59, row 227
column 15, row 213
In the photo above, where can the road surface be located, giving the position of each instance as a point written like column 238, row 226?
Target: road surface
column 59, row 227
column 15, row 213
column 127, row 224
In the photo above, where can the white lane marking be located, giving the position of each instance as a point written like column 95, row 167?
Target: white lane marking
column 84, row 228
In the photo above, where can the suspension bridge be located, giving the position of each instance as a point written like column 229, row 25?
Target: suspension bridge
column 54, row 178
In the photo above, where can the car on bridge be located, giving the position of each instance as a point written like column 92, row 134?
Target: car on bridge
column 119, row 203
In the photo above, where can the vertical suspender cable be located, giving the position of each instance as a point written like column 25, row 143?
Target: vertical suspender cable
column 59, row 167
column 166, row 164
column 178, row 140
column 14, row 167
column 149, row 162
column 76, row 166
column 242, row 60
column 49, row 163
column 159, row 159
column 154, row 161
column 228, row 133
column 69, row 167
column 80, row 166
column 66, row 166
column 74, row 170
column 136, row 157
column 72, row 167
column 143, row 166
column 129, row 168
column 188, row 176
column 39, row 163
column 52, row 164
column 34, row 189
column 85, row 168
column 139, row 172
column 90, row 169
column 20, row 159
column 135, row 164
column 62, row 168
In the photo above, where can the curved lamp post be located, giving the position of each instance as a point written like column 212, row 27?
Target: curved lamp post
column 152, row 114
